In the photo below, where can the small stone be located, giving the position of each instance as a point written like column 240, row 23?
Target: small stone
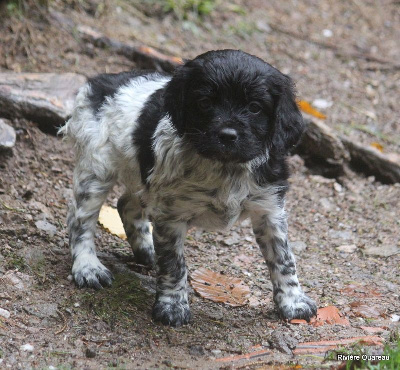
column 49, row 228
column 382, row 251
column 4, row 313
column 350, row 248
column 298, row 246
column 27, row 347
column 70, row 278
column 344, row 235
column 7, row 136
column 90, row 353
column 216, row 352
column 17, row 280
column 394, row 318
column 337, row 187
column 196, row 350
column 326, row 204
column 76, row 304
column 327, row 33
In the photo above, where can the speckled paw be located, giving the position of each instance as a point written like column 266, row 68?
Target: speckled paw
column 297, row 307
column 172, row 314
column 91, row 274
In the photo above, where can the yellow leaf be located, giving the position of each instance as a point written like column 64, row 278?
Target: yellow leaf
column 110, row 220
column 377, row 146
column 307, row 108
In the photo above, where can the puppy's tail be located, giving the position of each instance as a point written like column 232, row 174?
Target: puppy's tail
column 71, row 128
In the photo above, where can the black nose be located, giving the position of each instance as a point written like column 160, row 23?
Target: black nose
column 228, row 135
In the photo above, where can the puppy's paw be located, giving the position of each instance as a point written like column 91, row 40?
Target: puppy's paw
column 91, row 273
column 171, row 313
column 145, row 256
column 296, row 307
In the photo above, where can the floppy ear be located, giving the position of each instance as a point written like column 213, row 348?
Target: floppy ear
column 174, row 98
column 289, row 124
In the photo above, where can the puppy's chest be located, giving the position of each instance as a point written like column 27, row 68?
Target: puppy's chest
column 210, row 202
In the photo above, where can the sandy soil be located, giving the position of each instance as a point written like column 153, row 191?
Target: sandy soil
column 71, row 328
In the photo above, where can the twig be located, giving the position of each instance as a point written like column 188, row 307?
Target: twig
column 65, row 323
column 338, row 51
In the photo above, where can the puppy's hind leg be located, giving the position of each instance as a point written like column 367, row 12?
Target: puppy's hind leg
column 137, row 228
column 90, row 193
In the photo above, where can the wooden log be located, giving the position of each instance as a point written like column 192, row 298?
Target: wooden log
column 385, row 167
column 45, row 98
column 321, row 147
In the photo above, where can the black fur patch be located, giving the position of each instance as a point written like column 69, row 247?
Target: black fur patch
column 275, row 171
column 148, row 120
column 107, row 84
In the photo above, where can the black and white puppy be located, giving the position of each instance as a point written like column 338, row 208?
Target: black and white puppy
column 205, row 147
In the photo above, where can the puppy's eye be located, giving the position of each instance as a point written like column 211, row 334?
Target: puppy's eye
column 254, row 108
column 204, row 103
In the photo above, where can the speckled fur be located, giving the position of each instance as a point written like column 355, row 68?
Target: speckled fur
column 183, row 189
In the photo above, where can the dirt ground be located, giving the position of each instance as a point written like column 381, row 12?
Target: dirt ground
column 71, row 328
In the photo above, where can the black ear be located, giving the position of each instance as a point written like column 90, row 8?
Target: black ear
column 174, row 100
column 289, row 124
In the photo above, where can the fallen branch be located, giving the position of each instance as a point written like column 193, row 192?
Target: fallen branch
column 143, row 56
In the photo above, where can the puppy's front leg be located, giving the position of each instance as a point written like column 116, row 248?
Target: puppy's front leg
column 171, row 306
column 271, row 234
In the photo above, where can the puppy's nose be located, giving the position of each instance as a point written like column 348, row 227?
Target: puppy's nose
column 228, row 135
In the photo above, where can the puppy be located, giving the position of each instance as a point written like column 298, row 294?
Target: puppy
column 205, row 147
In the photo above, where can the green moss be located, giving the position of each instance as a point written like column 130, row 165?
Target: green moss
column 119, row 303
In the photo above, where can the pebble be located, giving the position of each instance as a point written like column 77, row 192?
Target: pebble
column 196, row 350
column 90, row 353
column 7, row 136
column 395, row 318
column 46, row 226
column 216, row 352
column 4, row 313
column 27, row 347
column 382, row 251
column 347, row 248
column 322, row 103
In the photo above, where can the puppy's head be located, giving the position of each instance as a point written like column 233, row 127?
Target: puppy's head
column 233, row 106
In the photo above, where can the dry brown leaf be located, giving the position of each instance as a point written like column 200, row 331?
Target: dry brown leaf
column 219, row 288
column 110, row 220
column 329, row 315
column 366, row 310
column 306, row 107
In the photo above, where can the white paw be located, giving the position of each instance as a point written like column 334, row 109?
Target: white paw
column 89, row 272
column 296, row 306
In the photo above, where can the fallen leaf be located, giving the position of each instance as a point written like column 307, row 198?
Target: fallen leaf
column 377, row 146
column 110, row 220
column 219, row 288
column 358, row 290
column 365, row 310
column 307, row 108
column 329, row 315
column 326, row 345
